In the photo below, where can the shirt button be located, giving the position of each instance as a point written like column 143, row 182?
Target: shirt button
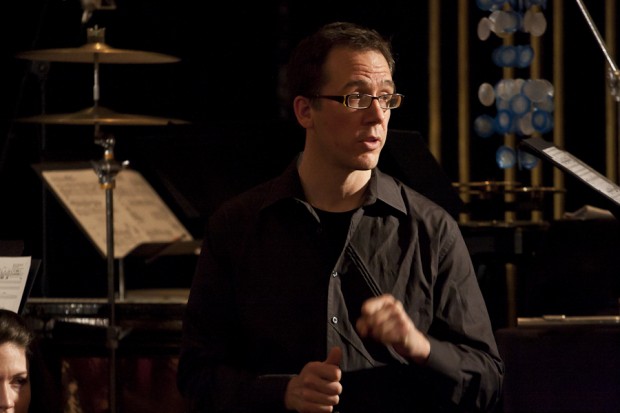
column 334, row 320
column 334, row 274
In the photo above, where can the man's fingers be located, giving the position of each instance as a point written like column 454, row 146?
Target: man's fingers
column 378, row 304
column 373, row 312
column 334, row 356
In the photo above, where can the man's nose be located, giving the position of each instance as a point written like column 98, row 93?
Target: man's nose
column 375, row 111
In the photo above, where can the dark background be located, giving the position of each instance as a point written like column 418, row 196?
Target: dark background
column 228, row 86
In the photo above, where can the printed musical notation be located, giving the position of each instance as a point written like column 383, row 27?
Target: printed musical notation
column 573, row 165
column 140, row 215
column 584, row 172
column 13, row 278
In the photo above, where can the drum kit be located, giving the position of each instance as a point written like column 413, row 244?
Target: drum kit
column 97, row 52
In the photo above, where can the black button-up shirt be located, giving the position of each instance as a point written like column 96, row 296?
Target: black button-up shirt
column 267, row 298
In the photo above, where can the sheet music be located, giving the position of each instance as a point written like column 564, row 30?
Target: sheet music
column 13, row 278
column 584, row 172
column 140, row 215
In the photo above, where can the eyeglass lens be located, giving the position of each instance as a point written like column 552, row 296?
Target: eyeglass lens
column 388, row 101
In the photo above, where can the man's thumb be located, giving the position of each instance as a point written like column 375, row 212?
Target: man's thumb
column 334, row 356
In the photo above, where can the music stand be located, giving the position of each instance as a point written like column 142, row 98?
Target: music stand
column 575, row 167
column 35, row 264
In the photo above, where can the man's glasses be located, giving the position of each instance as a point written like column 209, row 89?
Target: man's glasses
column 364, row 101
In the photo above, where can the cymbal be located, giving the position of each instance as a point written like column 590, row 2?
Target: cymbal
column 98, row 115
column 96, row 52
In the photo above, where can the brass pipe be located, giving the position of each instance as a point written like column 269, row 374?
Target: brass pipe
column 509, row 141
column 535, row 73
column 612, row 156
column 434, row 72
column 463, row 101
column 510, row 216
column 558, row 85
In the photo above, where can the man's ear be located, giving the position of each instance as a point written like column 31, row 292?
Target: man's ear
column 303, row 111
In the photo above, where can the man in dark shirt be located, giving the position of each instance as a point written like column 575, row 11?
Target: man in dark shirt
column 334, row 287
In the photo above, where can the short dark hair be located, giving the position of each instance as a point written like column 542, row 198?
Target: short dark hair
column 14, row 330
column 305, row 75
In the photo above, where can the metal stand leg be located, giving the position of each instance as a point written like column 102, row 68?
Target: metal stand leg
column 106, row 170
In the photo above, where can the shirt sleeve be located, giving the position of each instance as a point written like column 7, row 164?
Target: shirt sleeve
column 463, row 347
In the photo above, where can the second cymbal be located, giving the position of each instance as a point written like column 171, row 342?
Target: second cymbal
column 96, row 52
column 98, row 115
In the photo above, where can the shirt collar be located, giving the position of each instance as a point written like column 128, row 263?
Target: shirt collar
column 382, row 188
column 285, row 186
column 385, row 188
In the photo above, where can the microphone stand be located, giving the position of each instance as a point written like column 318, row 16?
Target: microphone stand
column 614, row 77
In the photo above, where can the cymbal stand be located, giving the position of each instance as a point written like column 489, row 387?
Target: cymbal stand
column 94, row 35
column 614, row 78
column 106, row 170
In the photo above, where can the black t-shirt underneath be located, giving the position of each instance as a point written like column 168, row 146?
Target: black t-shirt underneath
column 335, row 226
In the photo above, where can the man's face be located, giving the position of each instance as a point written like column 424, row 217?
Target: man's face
column 351, row 139
column 14, row 380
